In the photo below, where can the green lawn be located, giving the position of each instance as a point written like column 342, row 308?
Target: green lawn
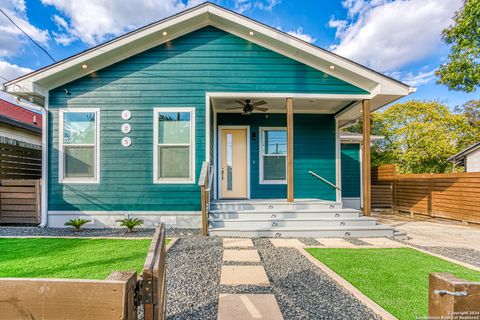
column 396, row 279
column 70, row 258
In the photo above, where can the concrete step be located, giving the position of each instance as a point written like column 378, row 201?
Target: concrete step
column 264, row 214
column 273, row 205
column 256, row 223
column 319, row 232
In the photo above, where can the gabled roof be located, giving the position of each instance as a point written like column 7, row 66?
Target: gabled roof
column 35, row 85
column 459, row 158
column 20, row 117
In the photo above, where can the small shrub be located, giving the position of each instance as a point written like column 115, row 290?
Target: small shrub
column 130, row 223
column 77, row 223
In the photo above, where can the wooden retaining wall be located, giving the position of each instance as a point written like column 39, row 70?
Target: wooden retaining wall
column 116, row 297
column 20, row 201
column 448, row 195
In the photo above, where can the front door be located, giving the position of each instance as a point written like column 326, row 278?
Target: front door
column 233, row 170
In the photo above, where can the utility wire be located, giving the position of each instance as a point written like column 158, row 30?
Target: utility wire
column 4, row 78
column 41, row 48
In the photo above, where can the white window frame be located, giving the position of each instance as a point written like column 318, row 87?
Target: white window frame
column 261, row 155
column 156, row 179
column 61, row 154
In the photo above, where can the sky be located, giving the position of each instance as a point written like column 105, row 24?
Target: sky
column 400, row 38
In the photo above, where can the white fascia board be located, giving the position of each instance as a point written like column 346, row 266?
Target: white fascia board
column 193, row 19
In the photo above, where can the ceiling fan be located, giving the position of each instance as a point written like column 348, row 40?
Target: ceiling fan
column 248, row 106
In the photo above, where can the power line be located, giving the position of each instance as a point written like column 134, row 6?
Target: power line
column 41, row 48
column 4, row 78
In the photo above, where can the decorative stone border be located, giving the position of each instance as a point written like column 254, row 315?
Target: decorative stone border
column 377, row 309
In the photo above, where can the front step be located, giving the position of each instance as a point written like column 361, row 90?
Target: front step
column 302, row 218
column 272, row 206
column 256, row 223
column 323, row 232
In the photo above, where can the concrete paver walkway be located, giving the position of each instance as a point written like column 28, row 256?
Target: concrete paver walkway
column 241, row 255
column 248, row 306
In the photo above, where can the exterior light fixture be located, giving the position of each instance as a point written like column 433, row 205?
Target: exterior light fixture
column 251, row 33
column 332, row 67
column 84, row 66
column 165, row 33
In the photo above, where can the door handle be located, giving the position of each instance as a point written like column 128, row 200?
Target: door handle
column 222, row 174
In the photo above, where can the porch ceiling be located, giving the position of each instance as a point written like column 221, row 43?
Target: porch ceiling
column 277, row 105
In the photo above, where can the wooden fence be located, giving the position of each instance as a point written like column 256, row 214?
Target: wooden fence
column 19, row 160
column 20, row 201
column 116, row 297
column 448, row 195
column 453, row 298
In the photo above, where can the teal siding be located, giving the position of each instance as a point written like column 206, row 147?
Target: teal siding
column 176, row 74
column 351, row 170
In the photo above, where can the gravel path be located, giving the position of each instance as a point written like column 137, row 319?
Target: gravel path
column 302, row 290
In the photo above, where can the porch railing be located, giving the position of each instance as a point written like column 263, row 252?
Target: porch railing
column 205, row 182
column 324, row 180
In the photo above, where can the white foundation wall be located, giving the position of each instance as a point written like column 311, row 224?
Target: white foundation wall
column 352, row 203
column 107, row 219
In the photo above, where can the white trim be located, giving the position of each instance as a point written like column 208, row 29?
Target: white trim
column 261, row 155
column 266, row 95
column 61, row 155
column 215, row 182
column 192, row 145
column 220, row 156
column 338, row 162
column 195, row 18
column 123, row 212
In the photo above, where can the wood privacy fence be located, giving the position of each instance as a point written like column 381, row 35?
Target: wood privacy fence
column 20, row 201
column 116, row 297
column 447, row 195
column 19, row 160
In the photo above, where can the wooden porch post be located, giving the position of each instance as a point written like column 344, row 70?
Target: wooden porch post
column 366, row 160
column 290, row 149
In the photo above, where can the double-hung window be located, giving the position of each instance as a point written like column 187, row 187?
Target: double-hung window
column 273, row 156
column 174, row 145
column 79, row 145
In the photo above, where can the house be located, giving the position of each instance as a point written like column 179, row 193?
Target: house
column 132, row 122
column 20, row 142
column 468, row 158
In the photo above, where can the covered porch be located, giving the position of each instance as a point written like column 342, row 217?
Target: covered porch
column 287, row 148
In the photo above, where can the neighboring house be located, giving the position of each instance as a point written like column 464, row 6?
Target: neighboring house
column 20, row 142
column 468, row 158
column 131, row 121
column 20, row 124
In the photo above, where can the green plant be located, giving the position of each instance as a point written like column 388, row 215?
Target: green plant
column 130, row 223
column 77, row 223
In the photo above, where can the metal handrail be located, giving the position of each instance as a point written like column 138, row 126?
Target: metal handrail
column 205, row 182
column 324, row 180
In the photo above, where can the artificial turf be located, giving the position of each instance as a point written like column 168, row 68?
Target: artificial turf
column 396, row 279
column 70, row 258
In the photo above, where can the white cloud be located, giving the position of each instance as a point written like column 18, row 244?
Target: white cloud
column 94, row 21
column 302, row 36
column 414, row 79
column 389, row 34
column 243, row 5
column 12, row 39
column 11, row 71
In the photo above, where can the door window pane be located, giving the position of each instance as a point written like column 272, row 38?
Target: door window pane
column 79, row 162
column 229, row 161
column 173, row 127
column 174, row 162
column 274, row 168
column 79, row 128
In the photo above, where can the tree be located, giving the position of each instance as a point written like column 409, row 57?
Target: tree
column 462, row 71
column 471, row 110
column 419, row 136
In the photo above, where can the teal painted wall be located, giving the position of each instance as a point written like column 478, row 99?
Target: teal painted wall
column 176, row 74
column 351, row 170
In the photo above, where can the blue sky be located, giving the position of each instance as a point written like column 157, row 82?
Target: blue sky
column 400, row 38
